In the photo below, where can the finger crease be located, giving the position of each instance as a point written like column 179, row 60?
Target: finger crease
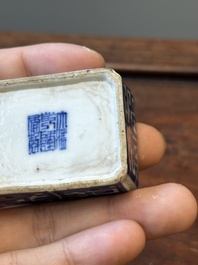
column 68, row 255
column 13, row 258
column 43, row 224
column 25, row 64
column 111, row 208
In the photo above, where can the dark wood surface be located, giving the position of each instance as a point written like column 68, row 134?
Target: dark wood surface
column 163, row 76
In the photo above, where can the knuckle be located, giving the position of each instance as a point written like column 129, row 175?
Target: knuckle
column 13, row 259
column 43, row 224
column 69, row 258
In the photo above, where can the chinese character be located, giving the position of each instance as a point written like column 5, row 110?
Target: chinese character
column 47, row 132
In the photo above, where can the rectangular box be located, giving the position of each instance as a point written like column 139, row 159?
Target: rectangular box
column 67, row 135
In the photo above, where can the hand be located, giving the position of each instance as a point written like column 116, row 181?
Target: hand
column 105, row 230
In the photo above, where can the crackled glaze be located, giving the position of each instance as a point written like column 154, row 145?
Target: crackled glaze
column 66, row 136
column 92, row 146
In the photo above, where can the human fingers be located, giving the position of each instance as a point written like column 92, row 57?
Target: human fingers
column 113, row 243
column 161, row 210
column 151, row 149
column 48, row 58
column 58, row 57
column 151, row 145
column 41, row 223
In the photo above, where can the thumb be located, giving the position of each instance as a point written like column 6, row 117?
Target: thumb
column 116, row 242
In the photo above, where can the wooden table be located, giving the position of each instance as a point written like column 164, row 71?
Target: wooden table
column 163, row 76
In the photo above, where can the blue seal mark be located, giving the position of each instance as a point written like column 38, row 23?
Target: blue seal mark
column 47, row 132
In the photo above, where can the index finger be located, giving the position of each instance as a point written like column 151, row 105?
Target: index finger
column 47, row 59
column 58, row 57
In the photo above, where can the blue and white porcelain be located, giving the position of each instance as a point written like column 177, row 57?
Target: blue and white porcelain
column 66, row 135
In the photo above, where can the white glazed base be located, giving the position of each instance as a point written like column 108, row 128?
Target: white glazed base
column 92, row 151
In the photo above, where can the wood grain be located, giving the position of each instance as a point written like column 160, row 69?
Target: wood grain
column 123, row 54
column 170, row 104
column 163, row 76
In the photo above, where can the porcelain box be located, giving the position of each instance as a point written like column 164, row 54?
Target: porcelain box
column 65, row 136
